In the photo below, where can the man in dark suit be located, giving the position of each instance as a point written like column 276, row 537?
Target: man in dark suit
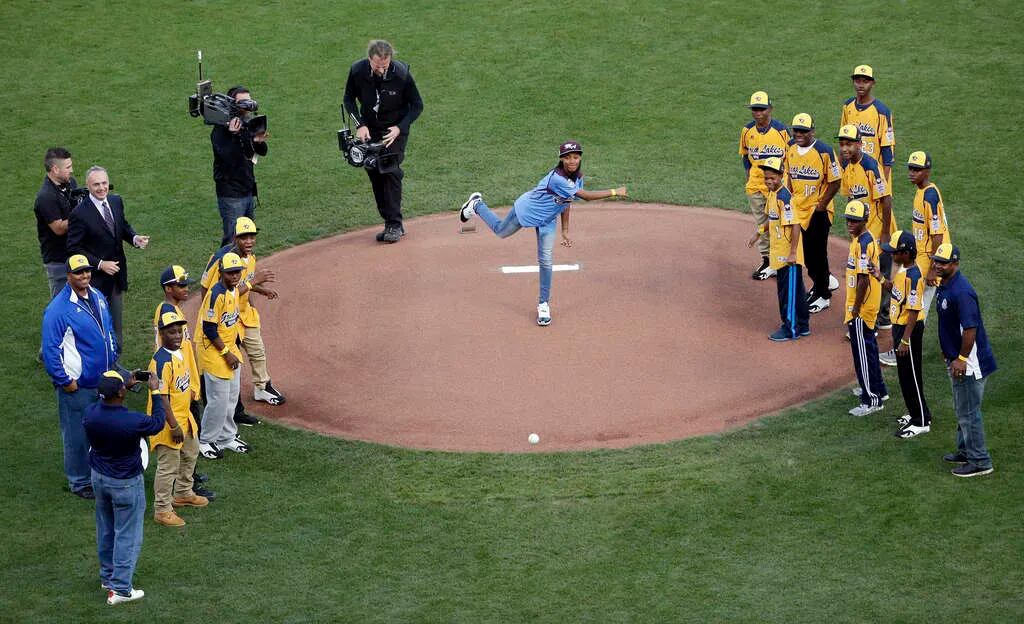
column 97, row 229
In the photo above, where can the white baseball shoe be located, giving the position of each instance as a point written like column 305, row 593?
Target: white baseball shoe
column 887, row 358
column 910, row 431
column 543, row 314
column 237, row 445
column 864, row 410
column 467, row 211
column 763, row 272
column 114, row 598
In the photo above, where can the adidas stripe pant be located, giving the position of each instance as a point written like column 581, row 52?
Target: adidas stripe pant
column 864, row 346
column 909, row 369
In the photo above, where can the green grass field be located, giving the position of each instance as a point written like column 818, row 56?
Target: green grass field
column 807, row 516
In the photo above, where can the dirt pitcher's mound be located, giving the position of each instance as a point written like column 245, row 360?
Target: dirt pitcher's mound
column 658, row 334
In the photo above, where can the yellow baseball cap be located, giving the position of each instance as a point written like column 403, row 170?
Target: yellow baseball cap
column 856, row 210
column 802, row 121
column 863, row 70
column 110, row 384
column 919, row 160
column 77, row 263
column 231, row 262
column 849, row 132
column 760, row 99
column 170, row 318
column 175, row 274
column 245, row 225
column 946, row 253
column 773, row 163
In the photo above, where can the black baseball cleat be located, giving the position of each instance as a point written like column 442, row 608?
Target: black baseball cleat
column 247, row 419
column 391, row 234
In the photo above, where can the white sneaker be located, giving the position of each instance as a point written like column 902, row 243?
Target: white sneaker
column 259, row 394
column 210, row 451
column 856, row 392
column 818, row 305
column 910, row 431
column 888, row 358
column 237, row 445
column 833, row 283
column 467, row 211
column 864, row 410
column 903, row 420
column 114, row 598
column 543, row 314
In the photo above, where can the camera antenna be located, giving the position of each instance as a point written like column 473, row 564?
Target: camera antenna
column 199, row 54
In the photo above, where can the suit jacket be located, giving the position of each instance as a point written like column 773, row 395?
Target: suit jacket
column 88, row 235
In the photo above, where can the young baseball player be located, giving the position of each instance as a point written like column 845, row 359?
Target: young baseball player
column 175, row 282
column 785, row 253
column 761, row 138
column 872, row 118
column 863, row 294
column 176, row 446
column 539, row 208
column 929, row 221
column 907, row 316
column 219, row 359
column 814, row 176
column 252, row 340
column 863, row 180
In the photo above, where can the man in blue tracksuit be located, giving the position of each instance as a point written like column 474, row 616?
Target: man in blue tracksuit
column 78, row 346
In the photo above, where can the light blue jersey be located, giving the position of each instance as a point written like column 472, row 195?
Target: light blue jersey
column 553, row 194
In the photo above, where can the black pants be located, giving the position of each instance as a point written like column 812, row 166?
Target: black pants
column 885, row 266
column 815, row 243
column 387, row 187
column 793, row 300
column 864, row 347
column 909, row 369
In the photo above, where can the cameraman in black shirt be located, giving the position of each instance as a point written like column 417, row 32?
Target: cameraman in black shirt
column 54, row 204
column 388, row 104
column 235, row 151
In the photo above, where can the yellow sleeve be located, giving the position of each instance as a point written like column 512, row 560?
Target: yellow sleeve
column 211, row 275
column 743, row 142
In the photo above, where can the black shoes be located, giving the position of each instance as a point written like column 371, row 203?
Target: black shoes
column 971, row 470
column 246, row 419
column 202, row 491
column 955, row 458
column 391, row 234
column 85, row 493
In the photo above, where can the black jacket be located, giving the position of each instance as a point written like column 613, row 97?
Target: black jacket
column 400, row 102
column 88, row 235
column 232, row 161
column 53, row 203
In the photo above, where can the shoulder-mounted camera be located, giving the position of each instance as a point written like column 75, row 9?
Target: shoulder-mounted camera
column 218, row 109
column 370, row 155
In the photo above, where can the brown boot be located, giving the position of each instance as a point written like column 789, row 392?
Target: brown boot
column 192, row 500
column 168, row 518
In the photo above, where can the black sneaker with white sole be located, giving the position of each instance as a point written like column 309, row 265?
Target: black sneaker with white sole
column 971, row 470
column 269, row 387
column 764, row 271
column 955, row 458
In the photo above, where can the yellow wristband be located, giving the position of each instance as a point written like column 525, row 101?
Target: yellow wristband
column 614, row 193
column 904, row 342
column 225, row 350
column 961, row 358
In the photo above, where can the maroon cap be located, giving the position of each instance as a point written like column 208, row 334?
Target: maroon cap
column 569, row 147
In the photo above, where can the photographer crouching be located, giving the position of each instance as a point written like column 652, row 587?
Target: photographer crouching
column 388, row 104
column 236, row 148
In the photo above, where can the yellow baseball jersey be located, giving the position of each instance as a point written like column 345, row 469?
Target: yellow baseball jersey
column 810, row 173
column 220, row 306
column 175, row 370
column 929, row 219
column 875, row 123
column 782, row 215
column 907, row 295
column 250, row 317
column 864, row 251
column 187, row 346
column 864, row 181
column 756, row 145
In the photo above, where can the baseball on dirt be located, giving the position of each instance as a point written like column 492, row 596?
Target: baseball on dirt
column 533, row 438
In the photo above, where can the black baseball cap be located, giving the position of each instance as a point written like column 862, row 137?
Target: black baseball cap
column 110, row 384
column 900, row 241
column 570, row 147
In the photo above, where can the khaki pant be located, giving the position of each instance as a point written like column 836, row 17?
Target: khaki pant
column 252, row 344
column 174, row 472
column 757, row 202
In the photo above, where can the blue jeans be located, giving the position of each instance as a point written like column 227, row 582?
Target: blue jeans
column 970, row 431
column 120, row 509
column 71, row 406
column 230, row 209
column 545, row 242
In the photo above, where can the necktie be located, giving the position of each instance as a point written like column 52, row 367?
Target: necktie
column 108, row 218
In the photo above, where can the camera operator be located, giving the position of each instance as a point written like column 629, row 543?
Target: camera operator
column 53, row 208
column 388, row 104
column 235, row 151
